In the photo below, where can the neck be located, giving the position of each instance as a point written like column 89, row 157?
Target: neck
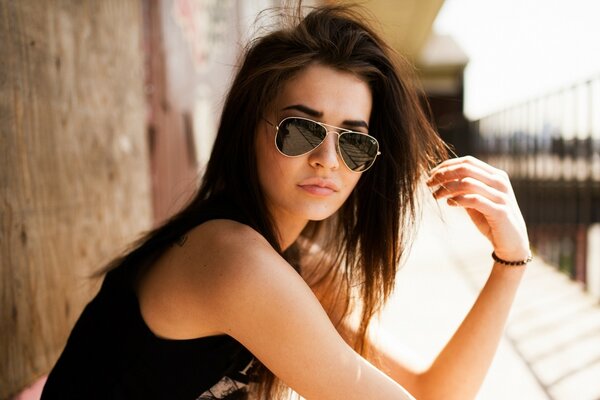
column 289, row 228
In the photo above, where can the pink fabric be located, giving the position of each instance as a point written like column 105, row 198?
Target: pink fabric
column 33, row 392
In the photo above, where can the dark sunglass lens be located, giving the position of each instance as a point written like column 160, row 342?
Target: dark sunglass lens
column 358, row 151
column 297, row 136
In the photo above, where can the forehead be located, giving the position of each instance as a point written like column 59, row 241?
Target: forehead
column 337, row 94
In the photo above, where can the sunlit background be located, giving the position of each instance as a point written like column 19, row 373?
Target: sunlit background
column 109, row 110
column 520, row 49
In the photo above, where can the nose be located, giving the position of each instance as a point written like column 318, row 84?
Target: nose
column 325, row 155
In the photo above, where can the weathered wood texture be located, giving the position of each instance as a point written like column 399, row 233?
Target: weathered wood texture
column 74, row 173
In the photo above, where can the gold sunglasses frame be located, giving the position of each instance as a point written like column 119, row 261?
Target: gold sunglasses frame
column 339, row 131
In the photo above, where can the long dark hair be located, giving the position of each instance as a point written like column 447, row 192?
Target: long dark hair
column 369, row 234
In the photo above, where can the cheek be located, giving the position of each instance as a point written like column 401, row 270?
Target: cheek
column 264, row 156
column 270, row 164
column 351, row 180
column 349, row 183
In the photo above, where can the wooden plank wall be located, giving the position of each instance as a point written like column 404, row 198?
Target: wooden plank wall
column 74, row 173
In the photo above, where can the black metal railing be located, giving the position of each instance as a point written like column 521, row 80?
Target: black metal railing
column 550, row 146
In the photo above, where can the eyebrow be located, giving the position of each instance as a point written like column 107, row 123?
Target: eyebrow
column 354, row 123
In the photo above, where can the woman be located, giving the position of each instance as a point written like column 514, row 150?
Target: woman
column 301, row 218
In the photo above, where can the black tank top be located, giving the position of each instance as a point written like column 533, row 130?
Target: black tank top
column 112, row 354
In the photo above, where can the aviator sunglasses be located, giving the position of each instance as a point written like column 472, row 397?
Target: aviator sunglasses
column 297, row 136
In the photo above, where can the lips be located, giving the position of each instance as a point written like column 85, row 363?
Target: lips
column 319, row 186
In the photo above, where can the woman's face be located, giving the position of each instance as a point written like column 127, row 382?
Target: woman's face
column 315, row 185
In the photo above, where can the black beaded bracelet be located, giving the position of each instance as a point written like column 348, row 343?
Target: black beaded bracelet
column 501, row 261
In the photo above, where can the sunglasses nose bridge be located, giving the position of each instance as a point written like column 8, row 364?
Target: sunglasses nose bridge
column 324, row 154
column 329, row 130
column 337, row 139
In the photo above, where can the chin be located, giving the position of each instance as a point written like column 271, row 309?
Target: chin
column 320, row 213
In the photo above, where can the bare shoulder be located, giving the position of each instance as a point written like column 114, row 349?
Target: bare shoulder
column 220, row 251
column 226, row 278
column 214, row 268
column 233, row 265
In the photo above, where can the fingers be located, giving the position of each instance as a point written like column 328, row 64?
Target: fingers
column 469, row 160
column 486, row 193
column 458, row 169
column 467, row 186
column 476, row 202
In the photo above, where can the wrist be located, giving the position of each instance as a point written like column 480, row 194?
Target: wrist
column 512, row 260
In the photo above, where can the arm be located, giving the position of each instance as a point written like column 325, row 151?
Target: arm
column 486, row 194
column 461, row 366
column 243, row 288
column 463, row 363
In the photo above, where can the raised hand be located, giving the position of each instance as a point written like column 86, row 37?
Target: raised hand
column 486, row 194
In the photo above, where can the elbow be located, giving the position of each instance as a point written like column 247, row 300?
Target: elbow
column 428, row 386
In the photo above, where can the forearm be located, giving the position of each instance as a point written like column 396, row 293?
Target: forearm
column 460, row 368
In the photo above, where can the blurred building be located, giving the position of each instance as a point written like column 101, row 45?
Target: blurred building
column 442, row 63
column 550, row 146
